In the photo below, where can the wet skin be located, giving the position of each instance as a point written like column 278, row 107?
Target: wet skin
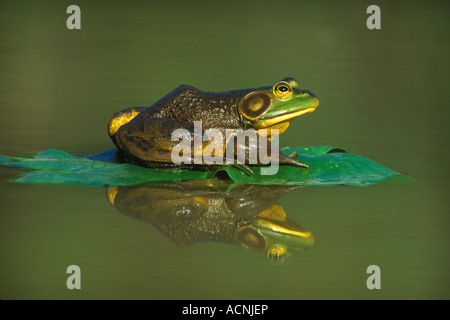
column 143, row 135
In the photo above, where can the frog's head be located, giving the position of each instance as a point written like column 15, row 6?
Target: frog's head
column 276, row 106
column 272, row 232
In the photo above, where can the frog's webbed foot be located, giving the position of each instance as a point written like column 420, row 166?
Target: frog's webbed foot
column 289, row 160
column 299, row 164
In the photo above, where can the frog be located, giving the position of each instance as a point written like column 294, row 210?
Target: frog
column 218, row 210
column 143, row 135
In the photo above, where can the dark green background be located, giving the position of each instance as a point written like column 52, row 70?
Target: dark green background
column 383, row 94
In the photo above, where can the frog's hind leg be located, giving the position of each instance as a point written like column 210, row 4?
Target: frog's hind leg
column 149, row 141
column 121, row 118
column 143, row 151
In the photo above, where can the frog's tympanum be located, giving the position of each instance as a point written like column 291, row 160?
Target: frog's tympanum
column 215, row 210
column 144, row 135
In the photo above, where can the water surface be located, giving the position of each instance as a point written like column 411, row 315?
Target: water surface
column 383, row 94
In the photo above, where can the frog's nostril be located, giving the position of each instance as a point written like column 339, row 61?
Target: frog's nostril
column 309, row 93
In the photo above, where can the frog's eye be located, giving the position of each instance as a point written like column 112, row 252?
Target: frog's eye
column 276, row 254
column 282, row 90
column 254, row 105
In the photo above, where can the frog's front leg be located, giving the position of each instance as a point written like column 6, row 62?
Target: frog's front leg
column 289, row 160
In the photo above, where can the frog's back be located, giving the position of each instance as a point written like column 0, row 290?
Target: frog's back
column 188, row 104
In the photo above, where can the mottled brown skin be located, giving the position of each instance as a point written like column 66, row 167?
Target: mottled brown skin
column 143, row 135
column 146, row 140
column 187, row 104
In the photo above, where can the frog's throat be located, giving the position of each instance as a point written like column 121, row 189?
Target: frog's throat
column 267, row 122
column 274, row 218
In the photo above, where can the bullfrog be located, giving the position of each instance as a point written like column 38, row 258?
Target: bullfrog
column 143, row 135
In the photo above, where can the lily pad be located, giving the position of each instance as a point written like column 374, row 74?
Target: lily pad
column 329, row 167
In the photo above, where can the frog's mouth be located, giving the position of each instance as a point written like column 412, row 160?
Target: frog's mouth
column 272, row 226
column 268, row 122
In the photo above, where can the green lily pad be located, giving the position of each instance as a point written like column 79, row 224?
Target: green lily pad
column 329, row 167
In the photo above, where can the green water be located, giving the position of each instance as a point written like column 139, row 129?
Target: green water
column 383, row 94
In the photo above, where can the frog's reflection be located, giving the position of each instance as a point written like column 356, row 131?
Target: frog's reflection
column 215, row 210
